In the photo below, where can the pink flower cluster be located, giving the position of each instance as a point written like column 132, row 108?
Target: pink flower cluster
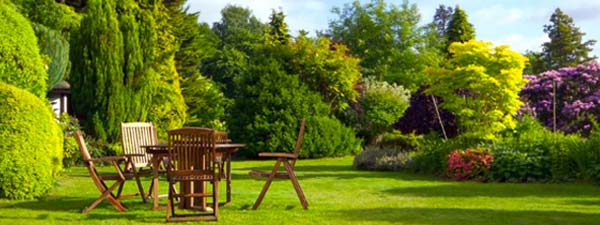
column 469, row 163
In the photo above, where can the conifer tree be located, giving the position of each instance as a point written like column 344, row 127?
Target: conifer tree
column 123, row 68
column 566, row 47
column 459, row 29
column 278, row 30
column 441, row 18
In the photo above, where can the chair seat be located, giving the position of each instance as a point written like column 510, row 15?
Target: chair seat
column 205, row 177
column 277, row 155
column 114, row 176
column 258, row 173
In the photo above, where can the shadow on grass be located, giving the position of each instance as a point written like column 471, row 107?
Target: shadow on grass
column 505, row 190
column 333, row 171
column 448, row 216
column 63, row 208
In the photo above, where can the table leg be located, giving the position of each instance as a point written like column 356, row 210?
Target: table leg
column 155, row 176
column 228, row 177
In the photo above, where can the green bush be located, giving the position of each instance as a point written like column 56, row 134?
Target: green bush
column 377, row 158
column 31, row 146
column 434, row 156
column 325, row 136
column 397, row 140
column 532, row 153
column 71, row 154
column 269, row 104
column 20, row 61
column 380, row 106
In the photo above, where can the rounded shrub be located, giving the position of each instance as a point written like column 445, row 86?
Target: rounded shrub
column 20, row 61
column 31, row 146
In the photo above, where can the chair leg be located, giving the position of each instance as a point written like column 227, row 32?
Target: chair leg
column 294, row 179
column 107, row 194
column 140, row 188
column 267, row 184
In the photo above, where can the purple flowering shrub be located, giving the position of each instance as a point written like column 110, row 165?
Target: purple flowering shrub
column 577, row 97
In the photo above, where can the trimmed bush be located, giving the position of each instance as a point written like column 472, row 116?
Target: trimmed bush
column 20, row 61
column 31, row 146
column 375, row 158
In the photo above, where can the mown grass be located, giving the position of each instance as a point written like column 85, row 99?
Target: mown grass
column 337, row 194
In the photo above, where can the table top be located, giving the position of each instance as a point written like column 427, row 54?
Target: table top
column 163, row 148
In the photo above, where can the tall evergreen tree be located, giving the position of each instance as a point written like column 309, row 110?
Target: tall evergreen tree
column 459, row 29
column 566, row 47
column 196, row 42
column 278, row 31
column 123, row 68
column 441, row 19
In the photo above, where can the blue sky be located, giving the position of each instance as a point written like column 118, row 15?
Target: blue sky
column 518, row 23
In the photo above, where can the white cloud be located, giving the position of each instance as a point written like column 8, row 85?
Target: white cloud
column 520, row 43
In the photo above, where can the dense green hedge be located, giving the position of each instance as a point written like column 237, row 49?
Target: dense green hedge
column 269, row 104
column 31, row 146
column 20, row 61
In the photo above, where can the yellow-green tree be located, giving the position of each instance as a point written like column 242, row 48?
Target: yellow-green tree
column 480, row 85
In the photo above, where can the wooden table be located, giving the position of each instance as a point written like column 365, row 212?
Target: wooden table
column 160, row 152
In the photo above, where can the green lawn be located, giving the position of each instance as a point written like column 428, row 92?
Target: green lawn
column 337, row 194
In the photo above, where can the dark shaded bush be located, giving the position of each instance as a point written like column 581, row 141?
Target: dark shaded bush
column 421, row 118
column 20, row 61
column 31, row 146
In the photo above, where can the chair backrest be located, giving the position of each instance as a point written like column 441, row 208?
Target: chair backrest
column 134, row 135
column 85, row 154
column 192, row 149
column 299, row 140
column 221, row 137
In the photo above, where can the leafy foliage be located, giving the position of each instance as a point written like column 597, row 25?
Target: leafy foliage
column 577, row 97
column 480, row 86
column 380, row 106
column 386, row 38
column 326, row 68
column 20, row 61
column 268, row 105
column 206, row 103
column 51, row 14
column 469, row 163
column 239, row 32
column 31, row 147
column 565, row 47
column 238, row 28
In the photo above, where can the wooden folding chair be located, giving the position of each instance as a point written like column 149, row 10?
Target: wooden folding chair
column 192, row 153
column 119, row 177
column 289, row 161
column 134, row 135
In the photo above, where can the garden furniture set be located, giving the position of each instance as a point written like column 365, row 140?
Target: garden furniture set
column 194, row 158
